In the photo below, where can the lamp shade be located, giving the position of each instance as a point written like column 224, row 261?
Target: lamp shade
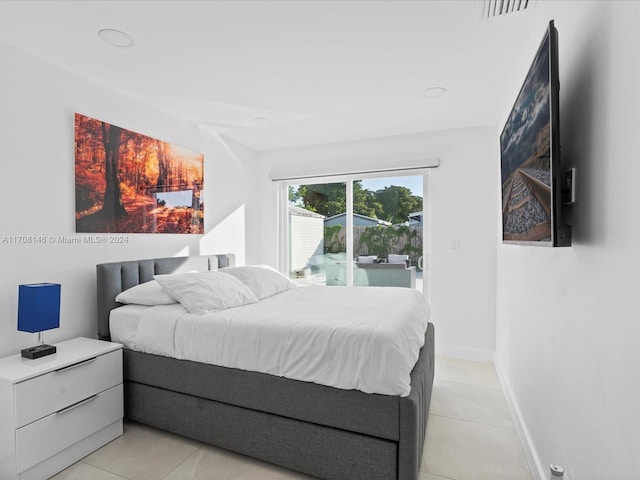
column 38, row 307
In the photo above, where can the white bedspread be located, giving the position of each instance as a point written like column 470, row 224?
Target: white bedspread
column 364, row 338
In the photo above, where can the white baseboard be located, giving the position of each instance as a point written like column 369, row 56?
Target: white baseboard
column 465, row 353
column 538, row 472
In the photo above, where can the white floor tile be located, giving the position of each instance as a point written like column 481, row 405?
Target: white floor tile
column 211, row 462
column 465, row 450
column 429, row 476
column 465, row 371
column 143, row 453
column 475, row 403
column 83, row 471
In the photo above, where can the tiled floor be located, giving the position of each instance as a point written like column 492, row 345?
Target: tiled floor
column 470, row 436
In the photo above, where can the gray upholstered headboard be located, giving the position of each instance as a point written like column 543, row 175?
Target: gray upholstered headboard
column 116, row 277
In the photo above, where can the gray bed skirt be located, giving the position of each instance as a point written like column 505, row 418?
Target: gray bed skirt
column 322, row 431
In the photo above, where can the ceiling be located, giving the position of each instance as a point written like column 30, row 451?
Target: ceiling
column 311, row 71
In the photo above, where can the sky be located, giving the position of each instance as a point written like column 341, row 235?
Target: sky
column 413, row 183
column 182, row 198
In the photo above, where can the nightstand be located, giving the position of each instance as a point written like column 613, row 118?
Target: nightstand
column 57, row 409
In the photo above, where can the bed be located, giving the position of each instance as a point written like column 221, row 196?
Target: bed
column 324, row 431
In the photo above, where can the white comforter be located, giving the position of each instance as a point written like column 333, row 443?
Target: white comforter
column 363, row 338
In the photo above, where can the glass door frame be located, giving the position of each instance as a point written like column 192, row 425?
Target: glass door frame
column 348, row 179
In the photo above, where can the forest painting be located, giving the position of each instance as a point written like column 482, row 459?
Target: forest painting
column 127, row 182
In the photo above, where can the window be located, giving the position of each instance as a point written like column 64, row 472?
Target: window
column 363, row 231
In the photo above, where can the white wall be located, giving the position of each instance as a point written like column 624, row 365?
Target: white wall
column 567, row 318
column 38, row 102
column 464, row 194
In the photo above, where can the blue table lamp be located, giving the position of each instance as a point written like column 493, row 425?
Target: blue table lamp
column 38, row 310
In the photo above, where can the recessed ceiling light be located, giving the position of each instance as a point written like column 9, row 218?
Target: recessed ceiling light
column 434, row 92
column 262, row 120
column 116, row 38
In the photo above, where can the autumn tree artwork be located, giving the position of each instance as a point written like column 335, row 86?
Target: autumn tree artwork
column 127, row 182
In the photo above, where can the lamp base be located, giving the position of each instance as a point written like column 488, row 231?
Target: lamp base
column 38, row 351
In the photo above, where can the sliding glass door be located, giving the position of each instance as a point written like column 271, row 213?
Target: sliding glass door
column 361, row 232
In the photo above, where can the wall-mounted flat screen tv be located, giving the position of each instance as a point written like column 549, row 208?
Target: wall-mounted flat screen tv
column 530, row 156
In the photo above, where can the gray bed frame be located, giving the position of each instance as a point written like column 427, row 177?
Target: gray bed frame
column 318, row 430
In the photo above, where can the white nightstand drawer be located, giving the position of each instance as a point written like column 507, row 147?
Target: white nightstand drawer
column 52, row 434
column 40, row 396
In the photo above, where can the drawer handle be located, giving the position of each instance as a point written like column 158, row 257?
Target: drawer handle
column 76, row 405
column 79, row 364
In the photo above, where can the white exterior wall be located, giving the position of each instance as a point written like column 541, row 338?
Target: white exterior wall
column 306, row 240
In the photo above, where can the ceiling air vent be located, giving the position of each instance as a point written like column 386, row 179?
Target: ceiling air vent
column 497, row 8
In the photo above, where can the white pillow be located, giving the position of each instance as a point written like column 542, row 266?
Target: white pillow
column 206, row 291
column 148, row 293
column 263, row 280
